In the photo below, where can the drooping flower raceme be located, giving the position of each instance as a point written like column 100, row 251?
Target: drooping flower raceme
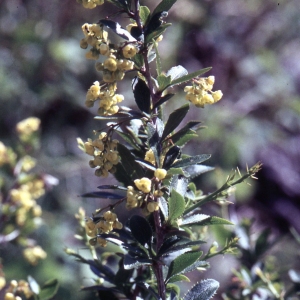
column 200, row 93
column 113, row 68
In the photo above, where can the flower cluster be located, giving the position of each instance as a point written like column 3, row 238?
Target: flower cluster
column 134, row 198
column 105, row 153
column 34, row 254
column 17, row 289
column 200, row 93
column 143, row 184
column 24, row 200
column 116, row 63
column 108, row 100
column 90, row 3
column 27, row 127
column 105, row 224
column 3, row 154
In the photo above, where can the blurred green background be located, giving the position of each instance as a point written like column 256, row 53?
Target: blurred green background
column 253, row 47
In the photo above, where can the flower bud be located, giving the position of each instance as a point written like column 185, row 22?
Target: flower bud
column 160, row 174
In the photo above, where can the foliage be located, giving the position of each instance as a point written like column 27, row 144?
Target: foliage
column 155, row 176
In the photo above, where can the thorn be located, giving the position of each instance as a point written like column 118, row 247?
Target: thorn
column 239, row 171
column 248, row 183
column 247, row 168
column 253, row 177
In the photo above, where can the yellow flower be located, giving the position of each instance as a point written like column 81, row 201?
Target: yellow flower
column 34, row 254
column 160, row 174
column 129, row 51
column 143, row 184
column 3, row 154
column 150, row 157
column 28, row 126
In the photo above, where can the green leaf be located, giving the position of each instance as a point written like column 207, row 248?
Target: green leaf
column 144, row 14
column 141, row 94
column 176, row 205
column 203, row 290
column 116, row 28
column 138, row 59
column 128, row 138
column 140, row 229
column 189, row 128
column 163, row 81
column 132, row 168
column 197, row 159
column 182, row 262
column 132, row 263
column 186, row 138
column 121, row 175
column 179, row 183
column 156, row 33
column 34, row 286
column 164, row 5
column 196, row 170
column 204, row 220
column 177, row 72
column 158, row 60
column 177, row 171
column 179, row 277
column 172, row 154
column 189, row 76
column 162, row 100
column 49, row 289
column 262, row 244
column 163, row 204
column 175, row 119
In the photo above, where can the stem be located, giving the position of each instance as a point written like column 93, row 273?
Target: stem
column 157, row 266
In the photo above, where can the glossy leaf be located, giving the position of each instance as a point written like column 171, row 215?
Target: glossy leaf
column 197, row 159
column 203, row 290
column 179, row 183
column 111, row 187
column 134, row 170
column 140, row 229
column 196, row 170
column 116, row 28
column 121, row 175
column 141, row 94
column 49, row 289
column 203, row 220
column 177, row 72
column 103, row 195
column 134, row 263
column 176, row 205
column 146, row 164
column 182, row 262
column 168, row 243
column 34, row 286
column 164, row 5
column 175, row 119
column 163, row 205
column 171, row 155
column 162, row 100
column 156, row 33
column 189, row 76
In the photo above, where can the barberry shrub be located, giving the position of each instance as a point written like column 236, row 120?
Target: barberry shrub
column 157, row 245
